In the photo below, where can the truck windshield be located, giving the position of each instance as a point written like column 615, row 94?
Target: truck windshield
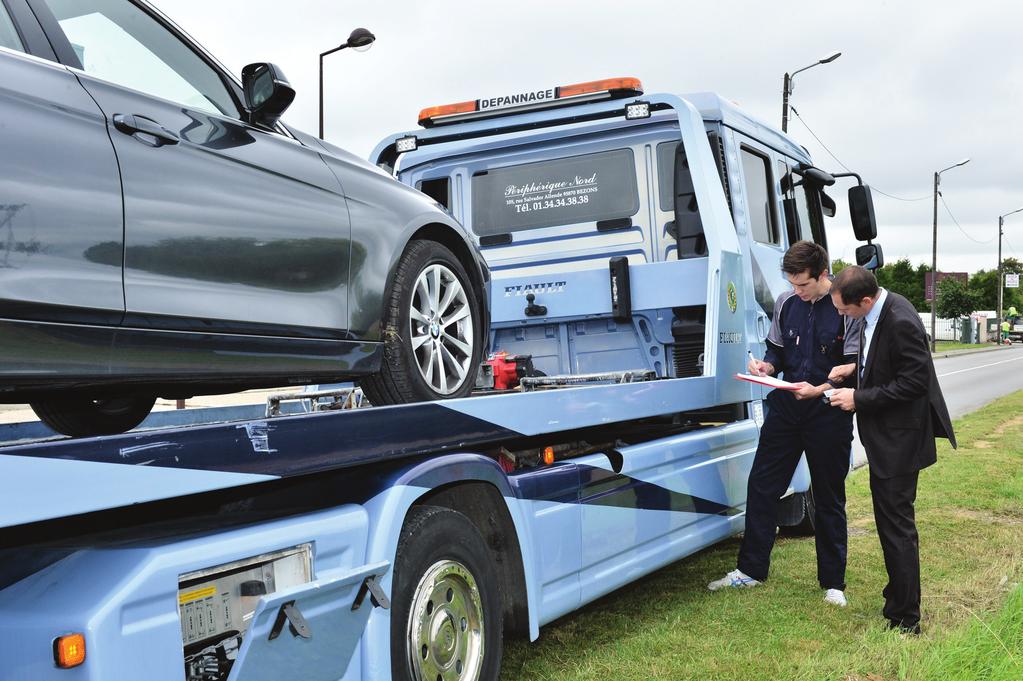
column 564, row 191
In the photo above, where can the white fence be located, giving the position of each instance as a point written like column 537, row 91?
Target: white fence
column 944, row 329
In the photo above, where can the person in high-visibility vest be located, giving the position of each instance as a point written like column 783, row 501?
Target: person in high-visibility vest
column 1005, row 331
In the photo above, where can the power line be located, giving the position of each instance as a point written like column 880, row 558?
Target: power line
column 848, row 169
column 949, row 211
column 1009, row 247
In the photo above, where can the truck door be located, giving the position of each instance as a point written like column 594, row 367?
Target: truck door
column 61, row 226
column 764, row 238
column 228, row 227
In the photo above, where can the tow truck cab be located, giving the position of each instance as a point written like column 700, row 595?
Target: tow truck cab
column 602, row 214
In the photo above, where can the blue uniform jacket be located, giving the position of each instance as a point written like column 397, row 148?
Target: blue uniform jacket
column 808, row 339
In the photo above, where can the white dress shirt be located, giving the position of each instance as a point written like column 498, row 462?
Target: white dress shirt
column 869, row 324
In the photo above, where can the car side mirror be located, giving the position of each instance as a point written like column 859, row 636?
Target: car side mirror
column 870, row 256
column 268, row 94
column 861, row 213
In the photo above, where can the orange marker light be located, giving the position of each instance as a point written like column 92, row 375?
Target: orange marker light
column 548, row 455
column 630, row 84
column 69, row 651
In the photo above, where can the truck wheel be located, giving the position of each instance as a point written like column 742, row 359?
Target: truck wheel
column 432, row 320
column 446, row 615
column 83, row 417
column 806, row 526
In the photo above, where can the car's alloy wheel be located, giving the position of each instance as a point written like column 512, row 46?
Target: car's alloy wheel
column 440, row 324
column 432, row 331
column 81, row 416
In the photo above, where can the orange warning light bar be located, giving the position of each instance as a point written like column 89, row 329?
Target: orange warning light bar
column 608, row 88
column 624, row 86
column 429, row 113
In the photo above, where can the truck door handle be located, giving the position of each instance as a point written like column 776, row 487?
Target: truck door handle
column 131, row 124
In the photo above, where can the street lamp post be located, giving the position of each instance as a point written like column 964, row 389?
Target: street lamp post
column 360, row 41
column 787, row 87
column 934, row 252
column 1001, row 277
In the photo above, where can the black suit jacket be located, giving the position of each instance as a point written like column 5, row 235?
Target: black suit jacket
column 899, row 405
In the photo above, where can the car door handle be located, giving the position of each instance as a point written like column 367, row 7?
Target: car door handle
column 131, row 124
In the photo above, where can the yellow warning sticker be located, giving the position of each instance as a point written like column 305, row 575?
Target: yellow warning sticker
column 196, row 594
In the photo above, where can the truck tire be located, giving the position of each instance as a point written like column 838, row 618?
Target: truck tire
column 83, row 417
column 431, row 331
column 446, row 619
column 805, row 527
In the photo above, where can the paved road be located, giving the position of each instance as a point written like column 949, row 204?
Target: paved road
column 970, row 381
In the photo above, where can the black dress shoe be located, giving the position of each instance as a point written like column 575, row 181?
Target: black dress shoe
column 913, row 630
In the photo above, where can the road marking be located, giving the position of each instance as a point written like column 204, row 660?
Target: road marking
column 982, row 366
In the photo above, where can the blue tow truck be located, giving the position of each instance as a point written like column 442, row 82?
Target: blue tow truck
column 634, row 243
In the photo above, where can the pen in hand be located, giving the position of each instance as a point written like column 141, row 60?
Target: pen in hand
column 754, row 364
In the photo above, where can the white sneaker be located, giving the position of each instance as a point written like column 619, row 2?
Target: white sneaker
column 736, row 579
column 835, row 597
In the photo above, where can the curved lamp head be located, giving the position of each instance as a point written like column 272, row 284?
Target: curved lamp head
column 830, row 58
column 360, row 40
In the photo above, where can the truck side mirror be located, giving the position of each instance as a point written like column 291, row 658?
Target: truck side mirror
column 869, row 256
column 828, row 206
column 861, row 213
column 268, row 94
column 816, row 177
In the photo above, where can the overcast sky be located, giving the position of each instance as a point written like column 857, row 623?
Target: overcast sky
column 919, row 85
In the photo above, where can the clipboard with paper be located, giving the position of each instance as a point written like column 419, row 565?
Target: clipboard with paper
column 769, row 381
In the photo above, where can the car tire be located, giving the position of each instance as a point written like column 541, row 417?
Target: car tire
column 429, row 353
column 84, row 416
column 446, row 619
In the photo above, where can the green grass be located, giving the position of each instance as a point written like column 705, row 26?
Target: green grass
column 970, row 518
column 983, row 650
column 945, row 346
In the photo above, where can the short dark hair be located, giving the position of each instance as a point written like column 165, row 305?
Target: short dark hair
column 803, row 256
column 854, row 283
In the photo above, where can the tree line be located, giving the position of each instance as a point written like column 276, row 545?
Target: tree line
column 955, row 299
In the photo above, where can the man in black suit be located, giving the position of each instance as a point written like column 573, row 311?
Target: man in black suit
column 900, row 411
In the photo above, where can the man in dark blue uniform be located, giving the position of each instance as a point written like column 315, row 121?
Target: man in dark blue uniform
column 807, row 340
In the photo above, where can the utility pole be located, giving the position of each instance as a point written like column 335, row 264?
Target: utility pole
column 786, row 89
column 1001, row 275
column 934, row 266
column 934, row 253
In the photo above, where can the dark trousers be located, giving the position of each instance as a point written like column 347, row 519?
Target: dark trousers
column 896, row 528
column 825, row 434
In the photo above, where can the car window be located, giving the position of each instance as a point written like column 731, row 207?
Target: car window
column 8, row 36
column 118, row 42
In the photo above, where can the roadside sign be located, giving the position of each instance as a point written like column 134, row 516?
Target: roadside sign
column 1011, row 281
column 929, row 281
